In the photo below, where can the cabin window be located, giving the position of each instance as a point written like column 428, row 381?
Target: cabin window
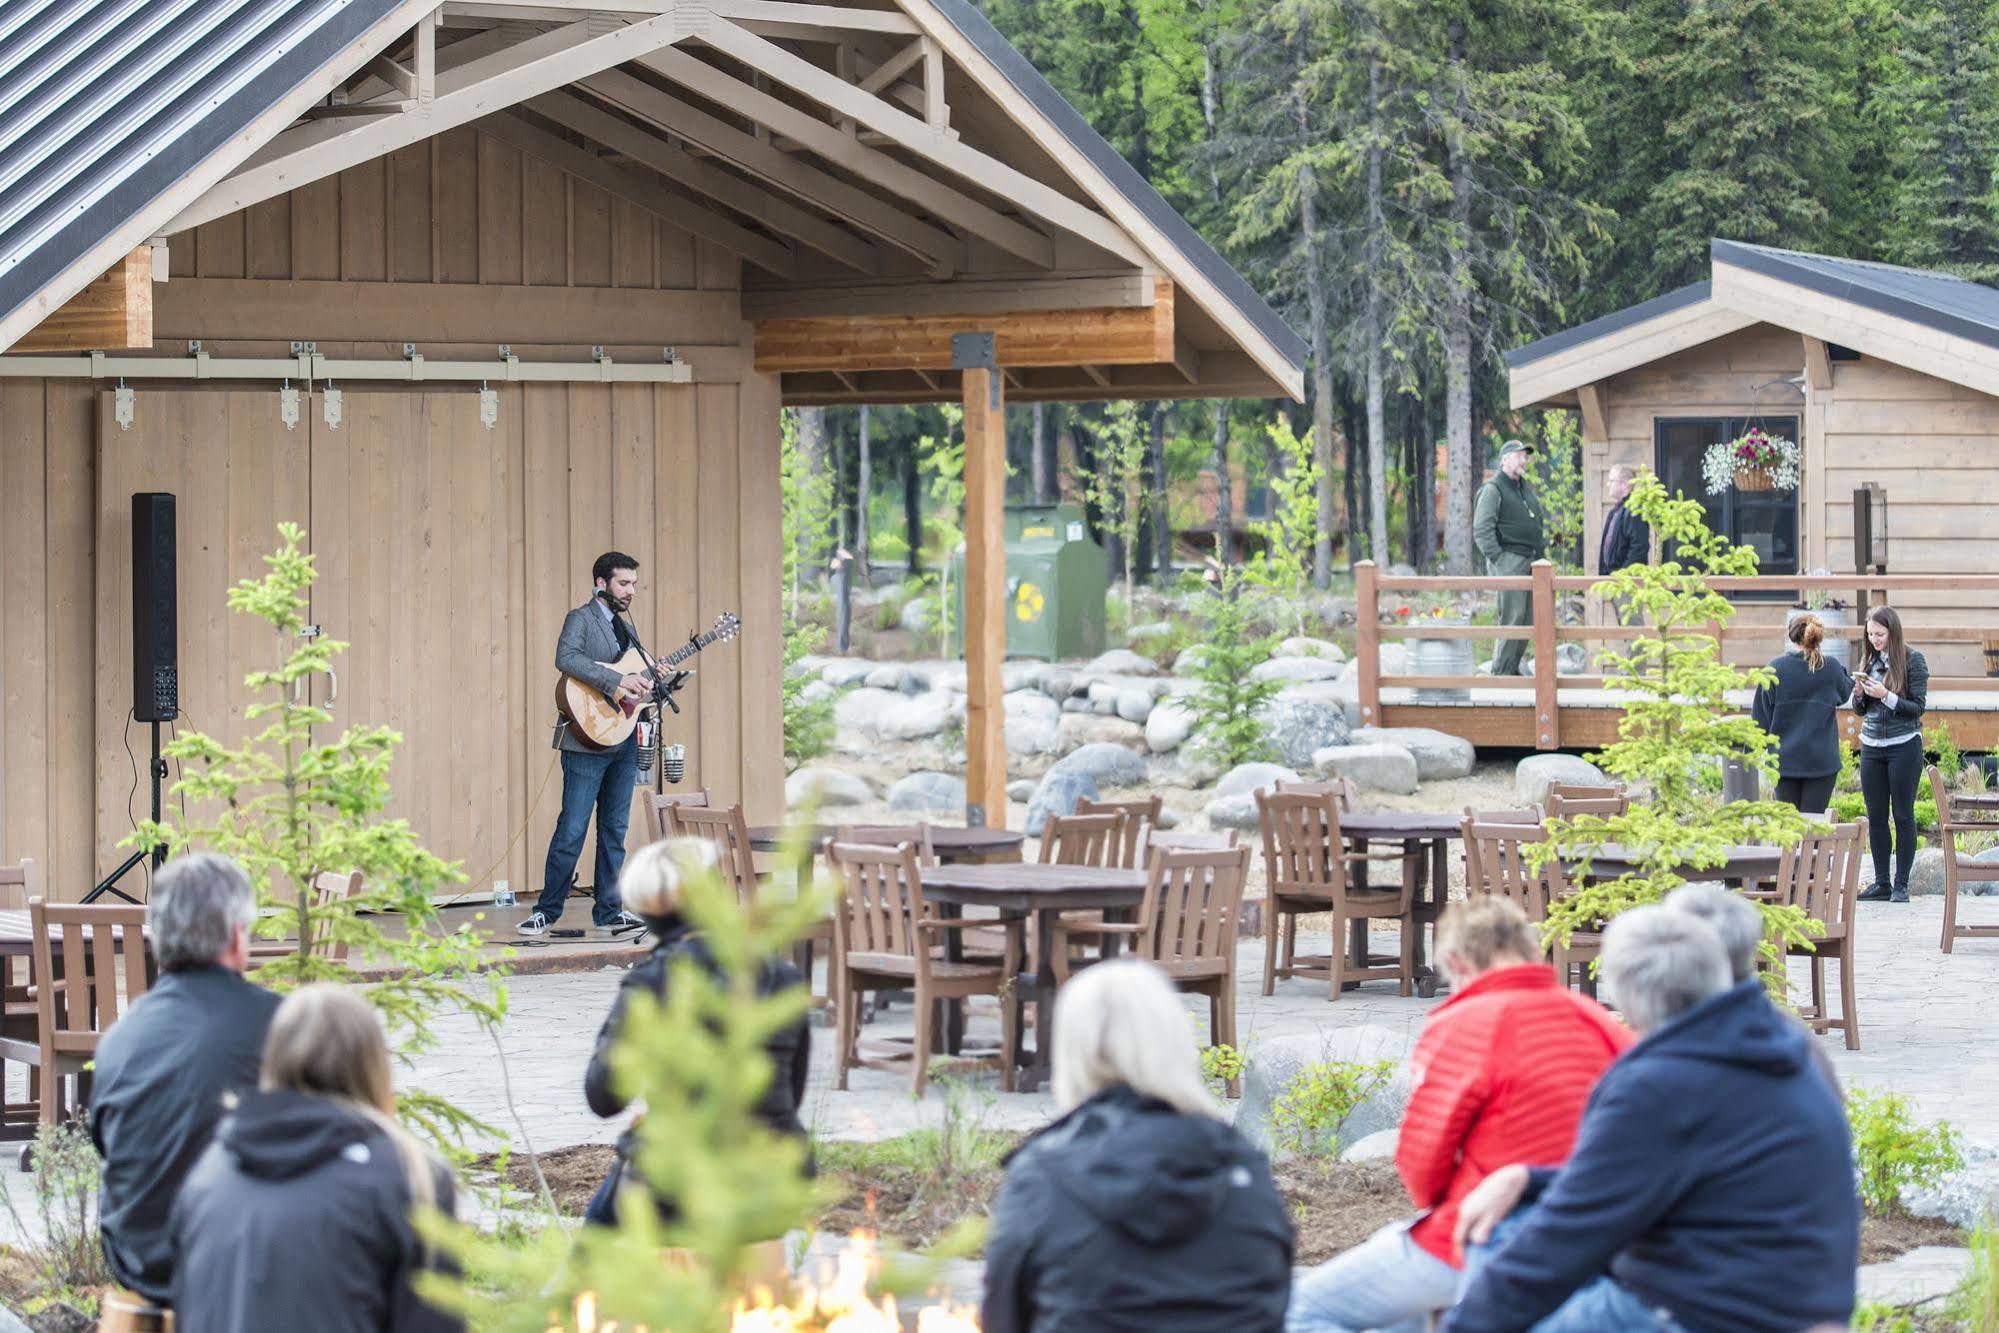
column 1765, row 520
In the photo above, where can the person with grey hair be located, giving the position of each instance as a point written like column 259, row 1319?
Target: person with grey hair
column 164, row 1068
column 1627, row 539
column 1711, row 1156
column 1140, row 1208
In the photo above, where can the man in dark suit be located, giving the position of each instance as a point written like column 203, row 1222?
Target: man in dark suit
column 601, row 780
column 1626, row 540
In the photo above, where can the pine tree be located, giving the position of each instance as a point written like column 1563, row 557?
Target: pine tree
column 1945, row 210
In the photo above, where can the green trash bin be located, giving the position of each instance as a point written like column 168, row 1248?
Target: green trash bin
column 1056, row 581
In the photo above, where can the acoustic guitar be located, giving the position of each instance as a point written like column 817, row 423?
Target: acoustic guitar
column 601, row 722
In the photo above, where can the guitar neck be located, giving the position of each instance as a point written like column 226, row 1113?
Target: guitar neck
column 687, row 650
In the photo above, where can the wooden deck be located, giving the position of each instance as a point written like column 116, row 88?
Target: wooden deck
column 1589, row 717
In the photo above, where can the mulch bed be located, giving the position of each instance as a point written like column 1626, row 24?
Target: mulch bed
column 1333, row 1207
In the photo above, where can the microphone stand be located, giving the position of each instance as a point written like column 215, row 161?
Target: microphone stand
column 663, row 691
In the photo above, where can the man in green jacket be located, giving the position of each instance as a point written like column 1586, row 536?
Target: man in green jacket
column 1506, row 526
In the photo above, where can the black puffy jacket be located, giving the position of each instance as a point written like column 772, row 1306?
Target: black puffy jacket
column 298, row 1216
column 1128, row 1215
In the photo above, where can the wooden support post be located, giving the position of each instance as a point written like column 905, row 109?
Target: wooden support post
column 1367, row 639
column 985, row 597
column 1547, row 712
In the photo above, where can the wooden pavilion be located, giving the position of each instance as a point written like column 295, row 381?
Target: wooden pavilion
column 477, row 289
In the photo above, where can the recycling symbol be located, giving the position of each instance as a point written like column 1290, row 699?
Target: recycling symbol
column 1028, row 603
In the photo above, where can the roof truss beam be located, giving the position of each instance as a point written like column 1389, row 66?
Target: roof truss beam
column 938, row 249
column 676, row 210
column 732, row 192
column 927, row 192
column 919, row 137
column 479, row 87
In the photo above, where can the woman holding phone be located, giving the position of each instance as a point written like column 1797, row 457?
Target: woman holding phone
column 1890, row 694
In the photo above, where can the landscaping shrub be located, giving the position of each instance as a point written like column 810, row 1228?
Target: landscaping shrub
column 808, row 723
column 1311, row 1112
column 60, row 1241
column 1892, row 1152
column 1974, row 1306
column 1222, row 1065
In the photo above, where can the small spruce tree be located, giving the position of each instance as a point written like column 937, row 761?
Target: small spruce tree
column 1228, row 723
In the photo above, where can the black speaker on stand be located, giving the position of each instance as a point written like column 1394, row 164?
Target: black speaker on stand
column 155, row 651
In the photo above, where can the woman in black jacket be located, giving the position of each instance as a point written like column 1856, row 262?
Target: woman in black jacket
column 1890, row 697
column 650, row 887
column 1139, row 1209
column 1802, row 711
column 298, row 1214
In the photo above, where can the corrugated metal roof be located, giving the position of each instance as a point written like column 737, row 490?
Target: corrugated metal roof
column 1934, row 300
column 1137, row 191
column 104, row 104
column 1691, row 294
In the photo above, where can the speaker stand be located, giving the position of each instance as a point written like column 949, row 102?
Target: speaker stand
column 158, row 855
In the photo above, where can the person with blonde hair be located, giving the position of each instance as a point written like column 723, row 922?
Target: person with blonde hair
column 1801, row 708
column 1501, row 1073
column 651, row 886
column 305, row 1200
column 1140, row 1208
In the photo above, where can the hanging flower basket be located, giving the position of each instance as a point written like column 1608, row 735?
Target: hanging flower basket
column 1754, row 461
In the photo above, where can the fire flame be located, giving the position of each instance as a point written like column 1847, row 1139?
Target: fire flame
column 841, row 1305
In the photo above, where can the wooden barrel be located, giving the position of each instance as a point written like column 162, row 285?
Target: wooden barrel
column 128, row 1312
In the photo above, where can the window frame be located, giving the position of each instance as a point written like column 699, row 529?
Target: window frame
column 1728, row 427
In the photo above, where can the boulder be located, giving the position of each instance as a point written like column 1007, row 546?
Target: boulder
column 929, row 793
column 1925, row 876
column 1108, row 764
column 1967, row 1194
column 887, row 676
column 1297, row 670
column 1168, row 726
column 1536, row 773
column 1299, row 646
column 1343, row 694
column 827, row 786
column 1122, row 662
column 816, row 690
column 1438, row 754
column 1057, row 794
column 1185, row 767
column 1982, row 888
column 1570, row 660
column 1076, row 703
column 1021, row 789
column 844, row 671
column 918, row 614
column 1134, row 705
column 1376, row 766
column 1376, row 1147
column 1189, row 660
column 1033, row 723
column 859, row 712
column 1022, row 675
column 1058, row 682
column 1233, row 812
column 1083, row 730
column 1248, row 779
column 1157, row 629
column 917, row 717
column 1300, row 728
column 1275, row 1064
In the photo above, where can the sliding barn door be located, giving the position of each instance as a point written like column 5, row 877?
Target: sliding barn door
column 237, row 472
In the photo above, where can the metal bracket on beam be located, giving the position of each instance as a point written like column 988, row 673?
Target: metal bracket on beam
column 978, row 351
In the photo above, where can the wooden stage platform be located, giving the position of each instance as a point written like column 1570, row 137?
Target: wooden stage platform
column 1589, row 717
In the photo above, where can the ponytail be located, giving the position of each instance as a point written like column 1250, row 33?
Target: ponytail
column 1808, row 632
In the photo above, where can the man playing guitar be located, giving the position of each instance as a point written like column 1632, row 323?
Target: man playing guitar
column 593, row 634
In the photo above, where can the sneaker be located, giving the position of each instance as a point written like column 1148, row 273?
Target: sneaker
column 624, row 923
column 1900, row 895
column 534, row 925
column 1879, row 893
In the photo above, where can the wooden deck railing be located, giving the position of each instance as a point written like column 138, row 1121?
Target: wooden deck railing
column 1544, row 634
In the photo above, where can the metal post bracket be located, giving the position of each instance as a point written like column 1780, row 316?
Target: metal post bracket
column 978, row 351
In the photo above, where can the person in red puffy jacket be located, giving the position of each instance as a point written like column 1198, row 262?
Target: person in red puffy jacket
column 1501, row 1074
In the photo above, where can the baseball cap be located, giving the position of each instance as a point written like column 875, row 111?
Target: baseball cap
column 1515, row 447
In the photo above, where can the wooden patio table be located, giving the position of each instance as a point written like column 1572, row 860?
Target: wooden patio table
column 1433, row 831
column 1742, row 864
column 1043, row 892
column 950, row 844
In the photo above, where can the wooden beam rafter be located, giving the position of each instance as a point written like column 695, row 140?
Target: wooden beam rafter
column 650, row 151
column 675, row 210
column 1596, row 428
column 968, row 295
column 1088, row 338
column 113, row 313
column 1818, row 364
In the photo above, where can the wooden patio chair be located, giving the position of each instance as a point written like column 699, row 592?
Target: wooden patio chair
column 1565, row 800
column 1343, row 789
column 1531, row 814
column 658, row 803
column 328, row 887
column 1959, row 867
column 1820, row 873
column 1187, row 927
column 882, row 932
column 916, row 835
column 1496, row 863
column 1172, row 840
column 1082, row 840
column 1140, row 818
column 103, row 969
column 18, row 884
column 1310, row 870
column 725, row 827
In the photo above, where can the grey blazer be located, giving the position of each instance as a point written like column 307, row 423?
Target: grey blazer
column 586, row 641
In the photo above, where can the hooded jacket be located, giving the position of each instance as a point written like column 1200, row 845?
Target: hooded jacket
column 1713, row 1176
column 298, row 1216
column 161, row 1074
column 1128, row 1215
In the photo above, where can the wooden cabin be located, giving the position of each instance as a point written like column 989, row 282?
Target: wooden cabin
column 1882, row 375
column 475, row 290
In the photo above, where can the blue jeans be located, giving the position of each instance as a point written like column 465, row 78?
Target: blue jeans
column 602, row 782
column 1386, row 1282
column 1598, row 1306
